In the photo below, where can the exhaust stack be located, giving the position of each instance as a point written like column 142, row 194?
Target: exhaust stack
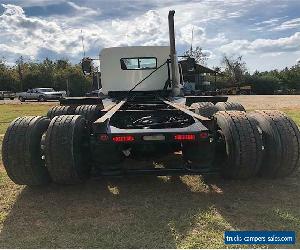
column 173, row 55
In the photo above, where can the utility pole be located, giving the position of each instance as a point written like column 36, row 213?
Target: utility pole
column 192, row 41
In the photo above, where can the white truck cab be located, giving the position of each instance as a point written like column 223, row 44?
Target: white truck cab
column 123, row 67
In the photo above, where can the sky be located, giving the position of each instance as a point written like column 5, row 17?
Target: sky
column 265, row 32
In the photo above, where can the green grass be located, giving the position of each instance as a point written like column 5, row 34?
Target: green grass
column 294, row 114
column 146, row 212
column 1, row 139
column 9, row 112
column 142, row 212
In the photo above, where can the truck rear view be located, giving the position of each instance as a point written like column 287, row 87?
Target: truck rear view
column 144, row 118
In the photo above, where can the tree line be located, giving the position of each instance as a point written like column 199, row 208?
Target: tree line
column 59, row 74
column 62, row 75
column 233, row 72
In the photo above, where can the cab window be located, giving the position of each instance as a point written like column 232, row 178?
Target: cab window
column 138, row 63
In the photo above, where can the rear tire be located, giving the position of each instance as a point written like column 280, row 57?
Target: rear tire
column 21, row 150
column 22, row 99
column 90, row 112
column 281, row 139
column 67, row 149
column 243, row 145
column 60, row 110
column 230, row 106
column 206, row 109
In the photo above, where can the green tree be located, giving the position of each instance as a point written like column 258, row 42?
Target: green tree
column 235, row 69
column 198, row 54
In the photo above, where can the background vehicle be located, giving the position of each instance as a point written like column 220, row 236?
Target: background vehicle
column 7, row 94
column 94, row 93
column 237, row 90
column 41, row 94
column 144, row 117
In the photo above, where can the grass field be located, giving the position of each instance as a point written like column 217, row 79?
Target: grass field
column 8, row 112
column 150, row 212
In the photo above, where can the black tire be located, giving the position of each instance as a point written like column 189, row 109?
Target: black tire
column 67, row 149
column 206, row 109
column 21, row 151
column 11, row 98
column 42, row 98
column 90, row 112
column 243, row 145
column 281, row 139
column 60, row 110
column 222, row 106
column 21, row 99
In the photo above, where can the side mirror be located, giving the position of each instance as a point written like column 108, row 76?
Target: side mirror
column 86, row 65
column 190, row 64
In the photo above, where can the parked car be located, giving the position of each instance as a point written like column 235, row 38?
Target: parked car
column 41, row 94
column 7, row 94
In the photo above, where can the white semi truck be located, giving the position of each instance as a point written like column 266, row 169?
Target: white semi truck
column 144, row 117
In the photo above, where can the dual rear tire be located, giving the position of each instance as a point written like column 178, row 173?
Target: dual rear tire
column 90, row 112
column 264, row 143
column 36, row 151
column 208, row 109
column 22, row 153
column 67, row 149
column 240, row 148
column 281, row 140
column 60, row 110
column 230, row 106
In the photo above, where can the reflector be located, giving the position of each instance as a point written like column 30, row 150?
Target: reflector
column 153, row 137
column 103, row 137
column 203, row 135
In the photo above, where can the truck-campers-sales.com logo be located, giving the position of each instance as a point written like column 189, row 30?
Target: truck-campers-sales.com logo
column 260, row 237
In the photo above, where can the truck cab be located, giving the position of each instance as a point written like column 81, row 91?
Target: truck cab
column 124, row 67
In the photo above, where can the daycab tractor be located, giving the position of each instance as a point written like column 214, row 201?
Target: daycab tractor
column 144, row 119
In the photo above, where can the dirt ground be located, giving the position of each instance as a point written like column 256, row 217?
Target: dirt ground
column 267, row 101
column 249, row 101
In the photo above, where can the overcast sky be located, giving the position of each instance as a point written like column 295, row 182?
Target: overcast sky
column 265, row 32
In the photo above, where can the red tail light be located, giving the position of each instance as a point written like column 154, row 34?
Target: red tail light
column 127, row 138
column 188, row 137
column 203, row 135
